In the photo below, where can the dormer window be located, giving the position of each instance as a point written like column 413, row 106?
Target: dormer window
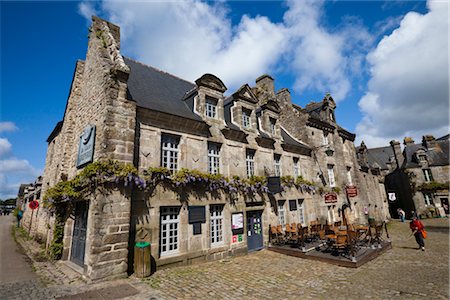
column 422, row 158
column 246, row 113
column 272, row 123
column 325, row 139
column 211, row 108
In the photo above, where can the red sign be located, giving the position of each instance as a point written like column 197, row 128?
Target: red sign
column 33, row 204
column 351, row 191
column 330, row 198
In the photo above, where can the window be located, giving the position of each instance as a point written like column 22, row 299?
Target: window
column 428, row 175
column 325, row 138
column 428, row 199
column 272, row 123
column 296, row 167
column 301, row 212
column 422, row 158
column 246, row 113
column 331, row 216
column 211, row 107
column 331, row 176
column 277, row 164
column 216, row 212
column 213, row 158
column 169, row 145
column 349, row 176
column 281, row 217
column 170, row 221
column 250, row 162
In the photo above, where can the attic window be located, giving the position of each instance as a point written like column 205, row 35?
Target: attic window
column 246, row 118
column 422, row 158
column 211, row 108
column 272, row 123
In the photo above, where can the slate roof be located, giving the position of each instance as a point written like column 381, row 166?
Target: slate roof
column 379, row 156
column 157, row 90
column 287, row 139
column 55, row 131
column 437, row 156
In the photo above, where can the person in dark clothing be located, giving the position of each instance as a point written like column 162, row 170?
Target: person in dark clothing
column 417, row 228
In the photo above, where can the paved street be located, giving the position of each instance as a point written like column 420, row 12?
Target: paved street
column 401, row 273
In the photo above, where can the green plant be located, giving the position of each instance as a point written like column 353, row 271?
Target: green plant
column 433, row 186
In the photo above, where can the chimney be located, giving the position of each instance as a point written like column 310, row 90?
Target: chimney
column 397, row 153
column 429, row 141
column 408, row 141
column 265, row 83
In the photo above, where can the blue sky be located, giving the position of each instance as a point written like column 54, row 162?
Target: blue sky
column 385, row 63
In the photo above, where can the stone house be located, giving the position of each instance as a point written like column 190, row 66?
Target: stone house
column 417, row 177
column 122, row 110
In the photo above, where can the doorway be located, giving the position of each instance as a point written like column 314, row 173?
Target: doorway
column 79, row 233
column 254, row 231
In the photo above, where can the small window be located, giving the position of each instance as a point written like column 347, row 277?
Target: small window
column 170, row 221
column 213, row 158
column 331, row 176
column 301, row 211
column 428, row 197
column 272, row 123
column 427, row 174
column 169, row 152
column 216, row 214
column 211, row 108
column 422, row 158
column 250, row 162
column 349, row 176
column 325, row 138
column 281, row 216
column 246, row 113
column 277, row 164
column 296, row 167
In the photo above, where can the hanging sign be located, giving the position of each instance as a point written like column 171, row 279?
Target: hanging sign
column 86, row 146
column 330, row 198
column 392, row 197
column 351, row 191
column 33, row 204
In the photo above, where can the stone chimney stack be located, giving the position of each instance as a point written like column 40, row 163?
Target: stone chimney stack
column 265, row 83
column 397, row 153
column 408, row 141
column 429, row 141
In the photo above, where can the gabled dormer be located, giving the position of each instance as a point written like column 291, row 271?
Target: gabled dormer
column 268, row 119
column 243, row 109
column 208, row 98
column 421, row 158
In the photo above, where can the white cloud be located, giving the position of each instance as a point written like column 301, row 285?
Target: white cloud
column 86, row 10
column 13, row 172
column 190, row 38
column 408, row 93
column 5, row 147
column 7, row 126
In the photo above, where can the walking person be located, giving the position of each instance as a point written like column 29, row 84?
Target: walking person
column 401, row 214
column 418, row 230
column 19, row 217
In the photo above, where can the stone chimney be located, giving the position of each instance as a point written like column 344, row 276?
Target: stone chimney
column 408, row 141
column 429, row 141
column 265, row 83
column 397, row 153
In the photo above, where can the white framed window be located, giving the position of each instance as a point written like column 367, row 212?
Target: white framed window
column 246, row 113
column 428, row 199
column 325, row 138
column 349, row 176
column 169, row 149
column 422, row 158
column 281, row 216
column 428, row 175
column 277, row 164
column 211, row 108
column 216, row 214
column 331, row 179
column 250, row 162
column 301, row 211
column 213, row 158
column 170, row 223
column 296, row 167
column 272, row 124
column 331, row 216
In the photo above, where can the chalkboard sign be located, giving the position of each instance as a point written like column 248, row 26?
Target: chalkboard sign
column 197, row 214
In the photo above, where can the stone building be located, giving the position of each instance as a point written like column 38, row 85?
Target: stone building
column 122, row 110
column 417, row 177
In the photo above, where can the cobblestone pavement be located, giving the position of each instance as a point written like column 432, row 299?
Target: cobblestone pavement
column 401, row 273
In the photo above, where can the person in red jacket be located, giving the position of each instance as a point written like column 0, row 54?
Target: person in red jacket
column 417, row 229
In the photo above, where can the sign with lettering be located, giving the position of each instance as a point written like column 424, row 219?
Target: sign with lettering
column 330, row 198
column 86, row 146
column 351, row 191
column 237, row 223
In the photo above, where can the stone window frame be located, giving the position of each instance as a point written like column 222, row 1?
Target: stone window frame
column 301, row 211
column 325, row 140
column 331, row 216
column 331, row 176
column 349, row 176
column 428, row 199
column 170, row 148
column 169, row 228
column 250, row 162
column 296, row 166
column 246, row 118
column 281, row 212
column 272, row 126
column 211, row 107
column 213, row 158
column 427, row 175
column 277, row 164
column 216, row 224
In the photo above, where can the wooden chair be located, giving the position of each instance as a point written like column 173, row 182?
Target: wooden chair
column 280, row 234
column 275, row 236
